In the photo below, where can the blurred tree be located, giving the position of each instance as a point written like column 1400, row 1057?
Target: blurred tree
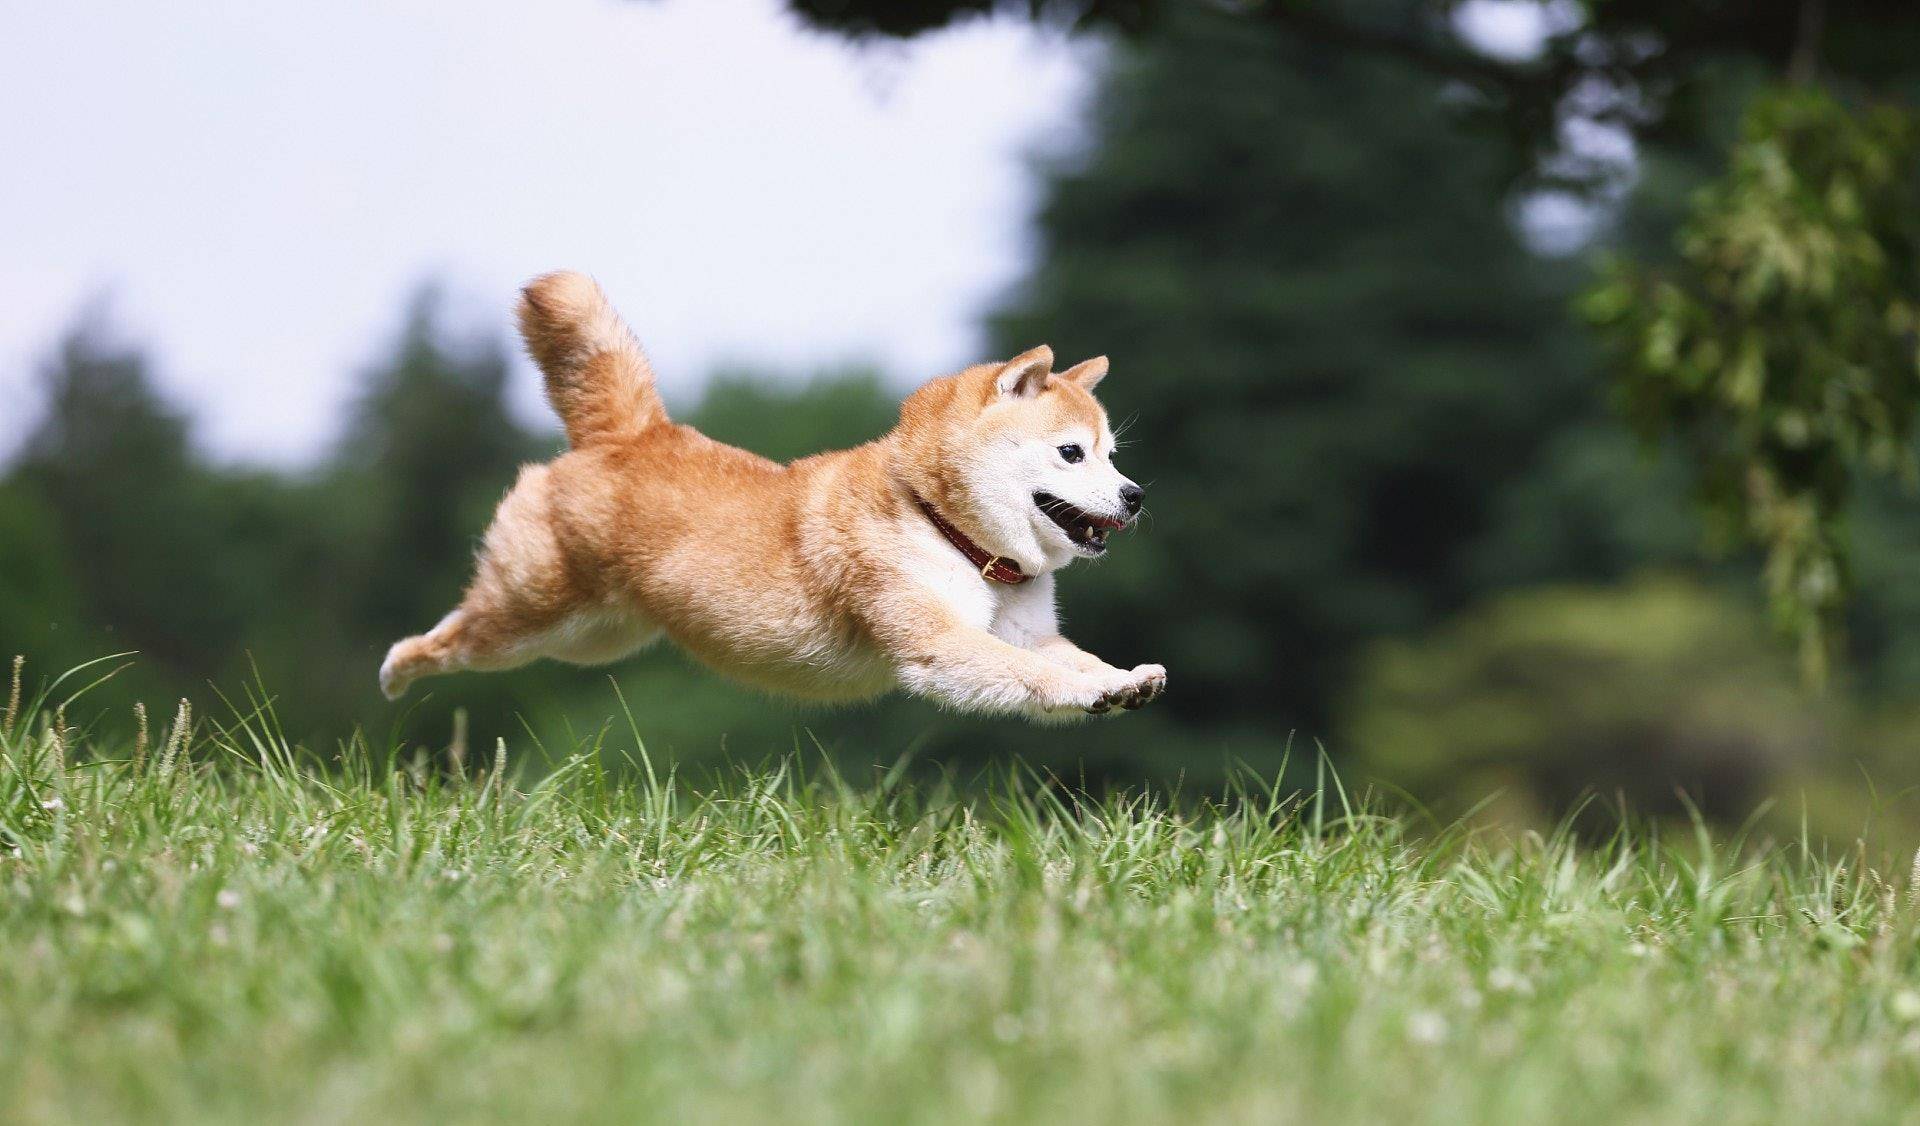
column 429, row 448
column 113, row 467
column 1781, row 391
column 786, row 419
column 1642, row 65
column 39, row 598
column 1545, row 696
column 1882, row 627
column 384, row 542
column 1783, row 347
column 1337, row 358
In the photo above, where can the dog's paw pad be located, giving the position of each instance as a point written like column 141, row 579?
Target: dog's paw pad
column 1141, row 687
column 1149, row 682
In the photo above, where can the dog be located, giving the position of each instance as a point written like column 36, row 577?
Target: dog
column 922, row 560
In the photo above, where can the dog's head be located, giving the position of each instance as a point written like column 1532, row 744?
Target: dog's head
column 1022, row 458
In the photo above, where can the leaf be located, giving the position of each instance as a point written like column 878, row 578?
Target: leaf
column 1781, row 351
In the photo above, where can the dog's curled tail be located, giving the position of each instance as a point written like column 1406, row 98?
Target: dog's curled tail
column 598, row 379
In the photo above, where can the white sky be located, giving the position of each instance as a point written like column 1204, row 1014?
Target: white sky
column 259, row 186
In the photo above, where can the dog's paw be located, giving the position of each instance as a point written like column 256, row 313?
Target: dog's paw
column 1131, row 690
column 1099, row 694
column 1074, row 697
column 392, row 684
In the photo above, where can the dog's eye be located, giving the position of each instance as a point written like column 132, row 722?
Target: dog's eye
column 1072, row 454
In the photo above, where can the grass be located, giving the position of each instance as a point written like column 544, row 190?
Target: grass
column 209, row 925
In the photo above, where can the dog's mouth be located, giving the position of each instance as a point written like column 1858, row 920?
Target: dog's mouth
column 1087, row 530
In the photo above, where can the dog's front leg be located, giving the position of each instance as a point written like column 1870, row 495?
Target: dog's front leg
column 1054, row 647
column 939, row 655
column 1030, row 619
column 974, row 671
column 1147, row 681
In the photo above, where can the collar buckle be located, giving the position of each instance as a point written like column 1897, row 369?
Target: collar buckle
column 993, row 568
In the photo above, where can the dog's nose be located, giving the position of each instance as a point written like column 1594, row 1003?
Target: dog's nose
column 1130, row 495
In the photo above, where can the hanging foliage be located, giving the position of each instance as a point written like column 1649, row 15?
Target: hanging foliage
column 1782, row 348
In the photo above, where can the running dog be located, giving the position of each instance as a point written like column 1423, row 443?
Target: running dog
column 922, row 560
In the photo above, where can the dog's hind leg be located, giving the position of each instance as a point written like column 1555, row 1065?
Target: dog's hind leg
column 524, row 604
column 440, row 649
column 481, row 639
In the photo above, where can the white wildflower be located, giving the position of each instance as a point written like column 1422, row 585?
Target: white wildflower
column 1426, row 1027
column 228, row 899
column 1503, row 980
column 1905, row 1005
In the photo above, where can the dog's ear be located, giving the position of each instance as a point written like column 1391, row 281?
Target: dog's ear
column 1087, row 373
column 1025, row 375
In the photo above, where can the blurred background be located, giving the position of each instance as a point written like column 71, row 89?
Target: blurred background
column 1525, row 389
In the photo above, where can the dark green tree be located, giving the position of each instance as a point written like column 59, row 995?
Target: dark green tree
column 429, row 448
column 1780, row 396
column 784, row 420
column 111, row 466
column 1783, row 346
column 1337, row 359
column 40, row 603
column 1647, row 66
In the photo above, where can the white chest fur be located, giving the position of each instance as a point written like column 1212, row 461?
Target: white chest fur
column 1015, row 613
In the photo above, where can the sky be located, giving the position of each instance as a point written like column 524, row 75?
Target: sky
column 253, row 190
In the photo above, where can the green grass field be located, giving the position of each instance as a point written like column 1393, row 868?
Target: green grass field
column 219, row 928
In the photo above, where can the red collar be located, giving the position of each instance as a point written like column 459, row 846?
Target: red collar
column 993, row 568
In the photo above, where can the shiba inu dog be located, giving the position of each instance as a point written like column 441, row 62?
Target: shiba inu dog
column 922, row 560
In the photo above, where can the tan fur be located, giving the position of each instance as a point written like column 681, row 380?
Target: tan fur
column 598, row 379
column 821, row 579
